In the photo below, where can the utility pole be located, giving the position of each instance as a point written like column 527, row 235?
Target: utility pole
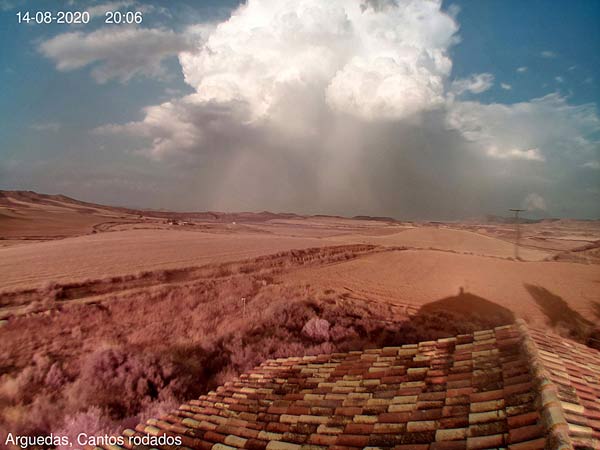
column 517, row 211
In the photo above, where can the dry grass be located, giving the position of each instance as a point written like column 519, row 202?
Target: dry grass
column 420, row 277
column 460, row 241
column 128, row 252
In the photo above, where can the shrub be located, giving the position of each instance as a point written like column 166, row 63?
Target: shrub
column 92, row 422
column 55, row 378
column 316, row 329
column 123, row 382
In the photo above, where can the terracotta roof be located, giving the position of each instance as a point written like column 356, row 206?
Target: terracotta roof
column 510, row 387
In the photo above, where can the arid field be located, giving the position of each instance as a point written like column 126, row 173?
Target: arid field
column 109, row 315
column 418, row 277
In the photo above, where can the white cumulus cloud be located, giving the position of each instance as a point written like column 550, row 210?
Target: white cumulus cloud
column 286, row 65
column 115, row 53
column 475, row 84
column 535, row 130
column 371, row 60
column 180, row 126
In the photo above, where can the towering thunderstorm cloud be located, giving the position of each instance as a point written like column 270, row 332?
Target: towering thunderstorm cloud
column 349, row 107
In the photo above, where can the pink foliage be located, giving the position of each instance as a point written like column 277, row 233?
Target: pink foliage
column 92, row 422
column 123, row 382
column 317, row 329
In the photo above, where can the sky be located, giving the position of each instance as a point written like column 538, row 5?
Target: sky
column 415, row 109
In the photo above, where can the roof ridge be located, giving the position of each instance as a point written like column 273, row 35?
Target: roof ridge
column 551, row 411
column 377, row 350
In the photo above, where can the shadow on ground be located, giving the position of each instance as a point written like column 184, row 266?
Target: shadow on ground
column 563, row 318
column 596, row 306
column 471, row 307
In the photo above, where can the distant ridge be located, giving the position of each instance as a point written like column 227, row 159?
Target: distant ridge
column 8, row 198
column 376, row 218
column 14, row 199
